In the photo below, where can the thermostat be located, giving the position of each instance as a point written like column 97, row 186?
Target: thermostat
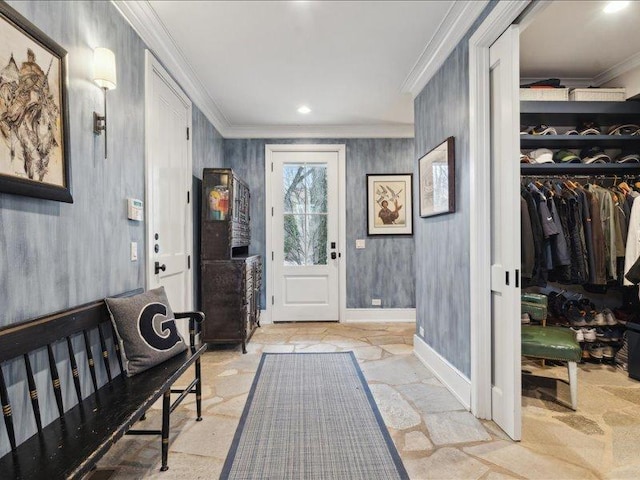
column 135, row 209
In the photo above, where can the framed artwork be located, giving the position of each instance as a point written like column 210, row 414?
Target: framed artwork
column 389, row 204
column 34, row 116
column 437, row 180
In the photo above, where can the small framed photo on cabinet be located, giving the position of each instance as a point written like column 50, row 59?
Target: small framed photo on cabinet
column 389, row 207
column 437, row 180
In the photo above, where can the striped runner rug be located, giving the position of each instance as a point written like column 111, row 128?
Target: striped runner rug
column 311, row 416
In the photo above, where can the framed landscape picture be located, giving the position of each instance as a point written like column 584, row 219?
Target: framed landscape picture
column 389, row 204
column 34, row 127
column 437, row 182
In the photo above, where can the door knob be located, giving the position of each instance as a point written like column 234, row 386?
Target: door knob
column 159, row 267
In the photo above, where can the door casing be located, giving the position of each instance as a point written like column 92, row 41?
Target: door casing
column 340, row 149
column 153, row 67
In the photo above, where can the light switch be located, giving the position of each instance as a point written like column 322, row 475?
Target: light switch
column 134, row 251
column 360, row 243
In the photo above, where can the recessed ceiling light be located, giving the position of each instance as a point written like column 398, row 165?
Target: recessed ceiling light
column 616, row 6
column 304, row 109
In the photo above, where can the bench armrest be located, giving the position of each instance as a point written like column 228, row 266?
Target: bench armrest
column 194, row 318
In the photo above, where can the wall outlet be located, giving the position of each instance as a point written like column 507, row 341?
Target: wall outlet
column 376, row 302
column 360, row 243
column 134, row 251
column 421, row 330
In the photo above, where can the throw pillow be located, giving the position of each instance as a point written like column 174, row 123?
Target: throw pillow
column 146, row 330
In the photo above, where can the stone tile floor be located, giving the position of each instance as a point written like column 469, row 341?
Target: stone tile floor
column 435, row 436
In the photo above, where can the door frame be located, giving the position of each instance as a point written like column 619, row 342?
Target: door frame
column 340, row 149
column 498, row 20
column 152, row 65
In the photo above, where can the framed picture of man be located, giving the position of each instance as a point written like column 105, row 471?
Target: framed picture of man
column 389, row 204
column 34, row 120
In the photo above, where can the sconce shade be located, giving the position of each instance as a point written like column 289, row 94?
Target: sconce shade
column 104, row 68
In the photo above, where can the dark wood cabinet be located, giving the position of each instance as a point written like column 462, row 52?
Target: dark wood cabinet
column 231, row 299
column 231, row 278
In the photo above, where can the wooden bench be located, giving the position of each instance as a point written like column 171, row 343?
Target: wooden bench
column 554, row 343
column 72, row 444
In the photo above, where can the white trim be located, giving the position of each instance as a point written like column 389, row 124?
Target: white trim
column 153, row 65
column 264, row 320
column 340, row 149
column 320, row 131
column 578, row 82
column 451, row 30
column 452, row 378
column 400, row 315
column 617, row 70
column 498, row 20
column 145, row 21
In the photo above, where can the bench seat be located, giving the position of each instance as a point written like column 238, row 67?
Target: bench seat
column 554, row 343
column 70, row 445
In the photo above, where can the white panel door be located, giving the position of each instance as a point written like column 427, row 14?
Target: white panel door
column 304, row 228
column 505, row 233
column 168, row 189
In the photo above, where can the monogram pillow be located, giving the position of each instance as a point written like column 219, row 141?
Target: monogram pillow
column 146, row 330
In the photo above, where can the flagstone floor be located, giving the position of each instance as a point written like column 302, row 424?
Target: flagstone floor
column 435, row 436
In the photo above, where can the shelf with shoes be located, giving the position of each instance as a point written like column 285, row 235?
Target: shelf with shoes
column 580, row 141
column 580, row 169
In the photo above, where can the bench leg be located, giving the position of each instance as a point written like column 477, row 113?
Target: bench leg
column 573, row 383
column 166, row 408
column 198, row 392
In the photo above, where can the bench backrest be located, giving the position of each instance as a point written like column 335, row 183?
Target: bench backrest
column 20, row 339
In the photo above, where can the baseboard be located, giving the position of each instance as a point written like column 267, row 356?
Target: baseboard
column 264, row 318
column 355, row 315
column 450, row 376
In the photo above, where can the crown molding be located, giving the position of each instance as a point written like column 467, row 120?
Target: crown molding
column 144, row 20
column 450, row 32
column 617, row 70
column 321, row 131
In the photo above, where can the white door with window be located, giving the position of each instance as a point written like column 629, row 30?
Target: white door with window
column 168, row 186
column 505, row 239
column 305, row 257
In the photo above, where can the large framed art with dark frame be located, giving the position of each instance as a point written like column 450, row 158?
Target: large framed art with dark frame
column 437, row 186
column 34, row 113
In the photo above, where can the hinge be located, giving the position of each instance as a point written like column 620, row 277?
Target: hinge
column 188, row 197
column 189, row 262
column 187, row 133
column 272, row 166
column 272, row 211
column 272, row 300
column 272, row 256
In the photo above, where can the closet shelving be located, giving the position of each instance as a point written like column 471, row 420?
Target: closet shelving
column 579, row 141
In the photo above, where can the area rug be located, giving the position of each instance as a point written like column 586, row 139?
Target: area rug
column 311, row 416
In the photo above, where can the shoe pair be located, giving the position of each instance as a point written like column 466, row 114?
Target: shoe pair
column 584, row 334
column 609, row 317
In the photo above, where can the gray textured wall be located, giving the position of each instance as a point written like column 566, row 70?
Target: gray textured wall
column 207, row 152
column 442, row 243
column 55, row 255
column 385, row 269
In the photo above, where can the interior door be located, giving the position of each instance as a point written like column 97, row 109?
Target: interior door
column 505, row 233
column 168, row 189
column 305, row 236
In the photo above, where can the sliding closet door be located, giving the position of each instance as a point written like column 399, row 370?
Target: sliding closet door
column 505, row 233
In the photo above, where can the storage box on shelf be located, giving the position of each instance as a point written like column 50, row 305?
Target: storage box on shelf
column 544, row 94
column 597, row 94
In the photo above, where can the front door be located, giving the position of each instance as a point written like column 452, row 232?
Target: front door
column 505, row 233
column 304, row 226
column 168, row 175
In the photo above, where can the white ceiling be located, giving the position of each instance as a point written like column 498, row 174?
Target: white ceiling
column 348, row 61
column 576, row 39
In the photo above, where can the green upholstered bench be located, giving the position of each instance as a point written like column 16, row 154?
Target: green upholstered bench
column 554, row 343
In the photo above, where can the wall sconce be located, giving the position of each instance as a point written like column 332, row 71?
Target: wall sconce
column 104, row 74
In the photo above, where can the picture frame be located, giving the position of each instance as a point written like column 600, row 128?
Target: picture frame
column 390, row 204
column 34, row 112
column 437, row 186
